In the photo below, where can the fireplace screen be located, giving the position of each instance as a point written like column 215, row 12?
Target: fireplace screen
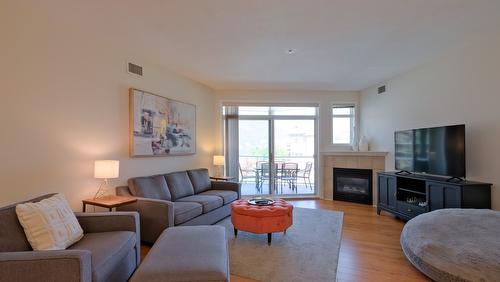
column 354, row 185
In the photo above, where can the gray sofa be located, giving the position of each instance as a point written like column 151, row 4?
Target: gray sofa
column 178, row 198
column 108, row 251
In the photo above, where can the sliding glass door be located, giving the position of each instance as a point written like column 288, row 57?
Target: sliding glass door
column 294, row 147
column 276, row 150
column 254, row 156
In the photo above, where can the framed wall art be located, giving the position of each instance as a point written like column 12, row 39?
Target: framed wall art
column 160, row 126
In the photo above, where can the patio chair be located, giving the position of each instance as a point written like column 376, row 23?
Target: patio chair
column 265, row 173
column 288, row 175
column 305, row 175
column 250, row 175
column 246, row 174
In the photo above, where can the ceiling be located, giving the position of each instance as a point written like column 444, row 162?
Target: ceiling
column 241, row 44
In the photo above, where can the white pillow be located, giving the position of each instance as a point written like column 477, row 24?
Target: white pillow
column 49, row 224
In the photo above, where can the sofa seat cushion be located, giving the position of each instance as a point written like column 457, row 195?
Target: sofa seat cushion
column 153, row 187
column 208, row 202
column 200, row 179
column 179, row 185
column 227, row 196
column 184, row 211
column 108, row 251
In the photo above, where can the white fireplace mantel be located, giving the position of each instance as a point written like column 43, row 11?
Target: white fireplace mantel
column 355, row 153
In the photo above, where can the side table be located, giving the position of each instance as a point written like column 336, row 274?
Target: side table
column 222, row 178
column 109, row 202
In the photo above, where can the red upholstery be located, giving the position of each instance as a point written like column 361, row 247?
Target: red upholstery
column 262, row 219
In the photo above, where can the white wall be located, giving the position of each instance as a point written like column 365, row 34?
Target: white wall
column 64, row 104
column 460, row 87
column 325, row 99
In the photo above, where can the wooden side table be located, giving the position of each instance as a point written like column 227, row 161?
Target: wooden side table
column 109, row 202
column 222, row 178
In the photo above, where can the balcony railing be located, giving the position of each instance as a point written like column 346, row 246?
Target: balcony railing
column 255, row 175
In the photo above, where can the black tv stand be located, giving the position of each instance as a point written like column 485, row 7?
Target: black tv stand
column 403, row 172
column 455, row 179
column 408, row 195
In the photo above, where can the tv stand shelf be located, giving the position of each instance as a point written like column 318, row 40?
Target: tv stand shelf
column 408, row 195
column 411, row 191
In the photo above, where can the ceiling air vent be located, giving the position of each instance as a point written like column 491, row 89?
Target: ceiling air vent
column 381, row 89
column 134, row 69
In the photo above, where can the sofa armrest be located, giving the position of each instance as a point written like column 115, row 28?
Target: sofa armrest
column 65, row 265
column 112, row 221
column 227, row 185
column 123, row 191
column 156, row 215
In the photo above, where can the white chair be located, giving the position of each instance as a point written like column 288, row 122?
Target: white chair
column 305, row 175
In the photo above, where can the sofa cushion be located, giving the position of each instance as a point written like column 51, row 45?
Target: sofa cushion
column 227, row 196
column 153, row 187
column 184, row 211
column 108, row 250
column 208, row 202
column 200, row 179
column 179, row 184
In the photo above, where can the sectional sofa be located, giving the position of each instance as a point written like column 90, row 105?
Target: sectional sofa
column 178, row 198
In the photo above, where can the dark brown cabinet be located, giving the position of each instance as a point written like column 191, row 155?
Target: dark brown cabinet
column 391, row 192
column 407, row 196
column 444, row 196
column 382, row 190
column 387, row 191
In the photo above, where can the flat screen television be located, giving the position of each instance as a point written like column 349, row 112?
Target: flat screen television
column 436, row 150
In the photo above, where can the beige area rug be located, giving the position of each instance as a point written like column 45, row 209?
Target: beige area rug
column 309, row 250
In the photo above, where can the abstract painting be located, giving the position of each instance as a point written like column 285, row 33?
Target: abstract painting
column 160, row 126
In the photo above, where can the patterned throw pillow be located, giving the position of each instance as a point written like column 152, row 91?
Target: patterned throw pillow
column 49, row 224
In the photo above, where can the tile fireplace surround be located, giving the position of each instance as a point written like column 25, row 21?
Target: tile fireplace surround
column 366, row 160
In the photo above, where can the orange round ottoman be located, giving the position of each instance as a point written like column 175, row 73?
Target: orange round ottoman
column 261, row 219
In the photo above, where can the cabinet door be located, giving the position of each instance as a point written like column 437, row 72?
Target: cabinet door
column 443, row 196
column 382, row 190
column 392, row 188
column 452, row 197
column 436, row 197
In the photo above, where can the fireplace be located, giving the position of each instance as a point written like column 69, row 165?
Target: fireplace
column 353, row 185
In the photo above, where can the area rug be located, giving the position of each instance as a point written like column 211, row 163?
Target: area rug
column 309, row 250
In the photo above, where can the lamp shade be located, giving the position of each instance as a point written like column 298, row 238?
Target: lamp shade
column 218, row 160
column 106, row 169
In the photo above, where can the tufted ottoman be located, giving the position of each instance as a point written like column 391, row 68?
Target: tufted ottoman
column 261, row 219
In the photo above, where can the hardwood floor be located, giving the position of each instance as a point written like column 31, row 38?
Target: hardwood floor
column 370, row 249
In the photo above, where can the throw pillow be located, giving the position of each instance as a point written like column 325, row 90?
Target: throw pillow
column 49, row 224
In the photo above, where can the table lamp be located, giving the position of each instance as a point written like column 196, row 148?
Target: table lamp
column 219, row 161
column 105, row 169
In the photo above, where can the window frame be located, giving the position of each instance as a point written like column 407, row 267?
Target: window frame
column 316, row 117
column 272, row 109
column 353, row 121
